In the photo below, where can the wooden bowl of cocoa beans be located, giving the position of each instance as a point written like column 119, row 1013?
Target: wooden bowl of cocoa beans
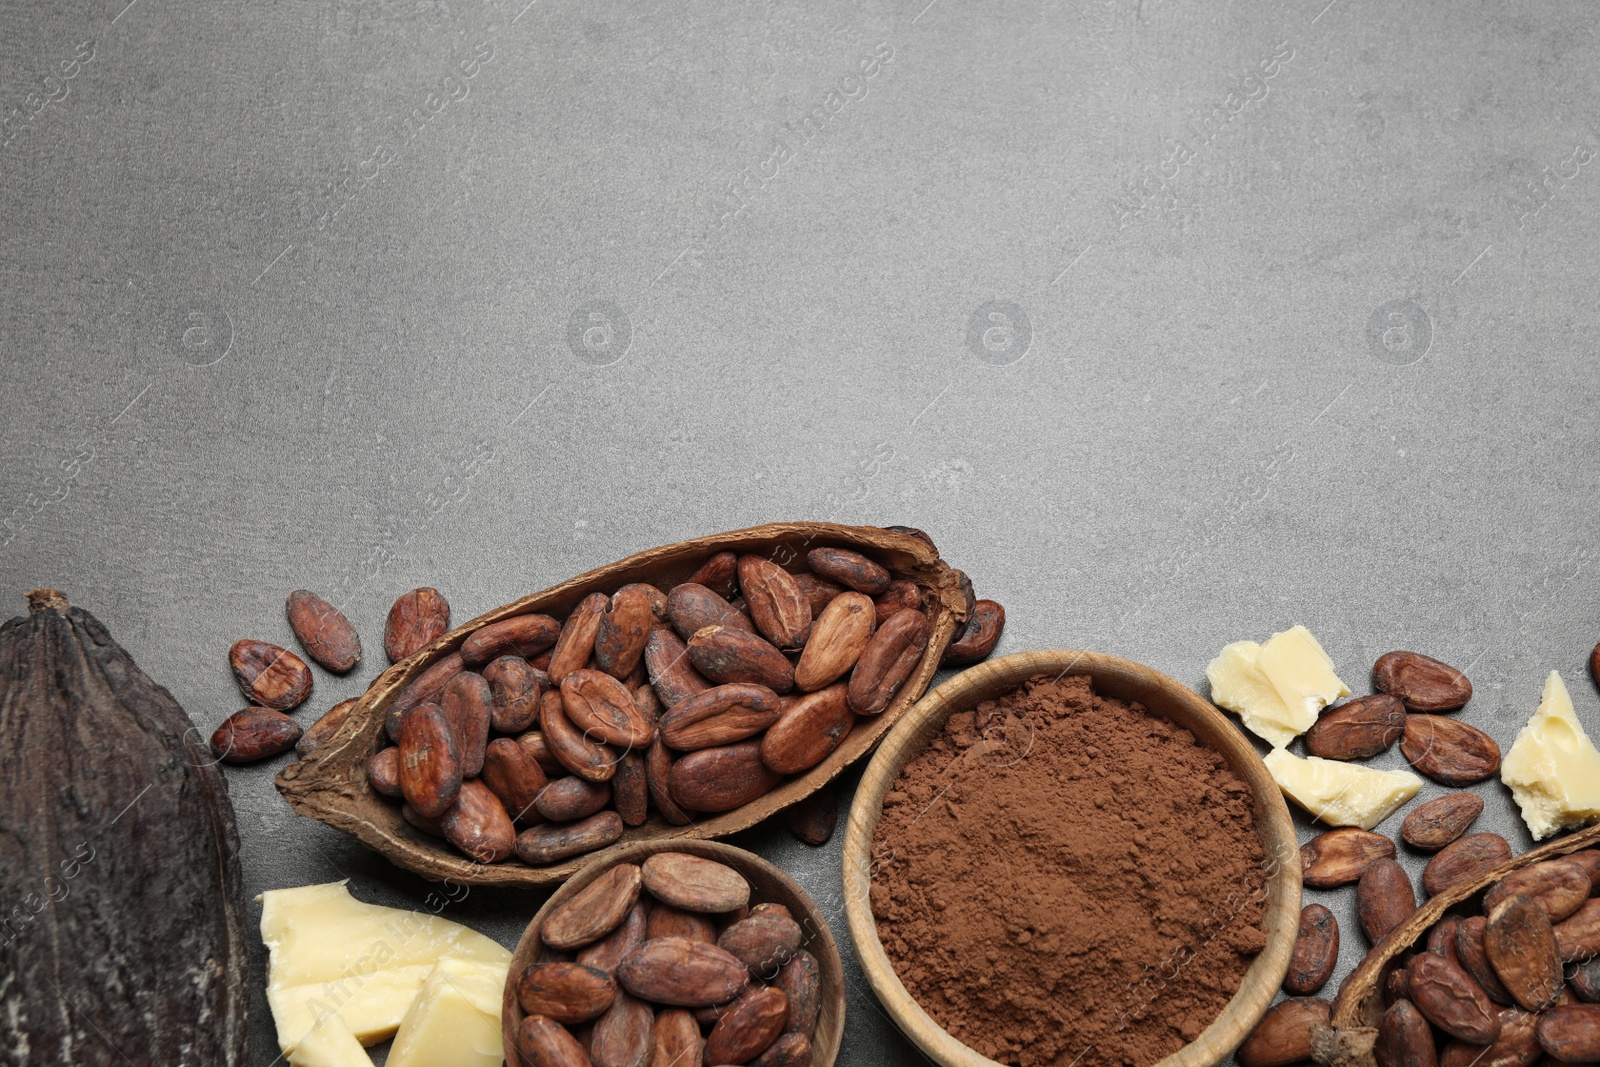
column 1137, row 686
column 686, row 692
column 676, row 952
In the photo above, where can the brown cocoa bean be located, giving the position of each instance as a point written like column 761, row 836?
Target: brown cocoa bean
column 790, row 1050
column 1340, row 857
column 1442, row 938
column 1571, row 1034
column 575, row 644
column 1316, row 951
column 691, row 608
column 779, row 609
column 416, row 620
column 672, row 676
column 727, row 654
column 667, row 921
column 978, row 639
column 254, row 734
column 644, row 697
column 426, row 824
column 1397, row 981
column 812, row 819
column 1475, row 961
column 902, row 595
column 587, row 759
column 543, row 1042
column 720, row 716
column 606, row 953
column 890, row 657
column 1517, row 1045
column 682, row 973
column 1560, row 887
column 808, row 730
column 749, row 1026
column 323, row 631
column 630, row 792
column 319, row 732
column 1404, row 1038
column 269, row 676
column 850, row 569
column 595, row 910
column 678, row 1040
column 1465, row 859
column 624, row 1035
column 520, row 635
column 838, row 638
column 722, row 778
column 534, row 744
column 514, row 690
column 1385, row 898
column 1589, row 860
column 569, row 993
column 720, row 574
column 572, row 798
column 694, row 883
column 1422, row 682
column 604, row 710
column 427, row 688
column 1578, row 935
column 547, row 843
column 1434, row 825
column 1521, row 946
column 625, row 625
column 1451, row 1000
column 801, row 981
column 478, row 825
column 513, row 775
column 383, row 772
column 466, row 705
column 1584, row 979
column 1358, row 728
column 819, row 592
column 430, row 764
column 658, row 776
column 1283, row 1036
column 1449, row 751
column 763, row 942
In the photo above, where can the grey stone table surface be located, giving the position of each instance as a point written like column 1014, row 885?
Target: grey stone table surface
column 1173, row 322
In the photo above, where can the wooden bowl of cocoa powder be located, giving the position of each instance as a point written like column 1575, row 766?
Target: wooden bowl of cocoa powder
column 1068, row 857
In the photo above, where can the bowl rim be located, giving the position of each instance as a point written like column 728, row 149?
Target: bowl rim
column 922, row 722
column 822, row 945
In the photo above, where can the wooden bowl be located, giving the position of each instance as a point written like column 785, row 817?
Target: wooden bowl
column 767, row 883
column 1111, row 677
column 331, row 784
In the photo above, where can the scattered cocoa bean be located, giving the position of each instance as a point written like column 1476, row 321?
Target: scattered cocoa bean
column 1422, row 682
column 890, row 657
column 575, row 644
column 1578, row 935
column 838, row 638
column 850, row 569
column 682, row 973
column 606, row 953
column 1385, row 898
column 520, row 635
column 1448, row 750
column 1404, row 1038
column 1465, row 859
column 808, row 730
column 630, row 790
column 513, row 775
column 902, row 595
column 625, row 625
column 624, row 1035
column 1571, row 1034
column 1560, row 886
column 727, row 654
column 721, row 778
column 566, row 992
column 1358, row 728
column 383, row 772
column 466, row 706
column 543, row 1042
column 514, row 689
column 763, row 942
column 1316, row 951
column 982, row 633
column 1283, row 1036
column 720, row 716
column 478, row 824
column 594, row 911
column 572, row 798
column 819, row 592
column 604, row 710
column 1433, row 825
column 254, row 734
column 1340, row 857
column 748, row 1027
column 430, row 763
column 812, row 820
column 668, row 921
column 1451, row 1000
column 269, row 676
column 694, row 883
column 1521, row 946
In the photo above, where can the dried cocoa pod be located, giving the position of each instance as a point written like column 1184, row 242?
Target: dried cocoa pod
column 1422, row 682
column 720, row 574
column 630, row 791
column 658, row 776
column 594, row 911
column 1385, row 898
column 1560, row 887
column 902, row 595
column 269, row 676
column 323, row 631
column 514, row 690
column 1449, row 751
column 819, row 592
column 1451, row 1000
column 889, row 659
column 1316, row 951
column 318, row 733
column 416, row 620
column 763, row 942
column 1283, row 1036
column 512, row 774
column 606, row 953
column 547, row 843
column 1578, row 935
column 721, row 778
column 428, row 688
column 838, row 638
column 254, row 734
column 466, row 705
column 430, row 765
column 808, row 730
column 1465, row 859
column 850, row 569
column 748, row 1027
column 1404, row 1038
column 1358, row 728
column 576, row 643
column 625, row 625
column 572, row 798
column 478, row 825
column 790, row 1050
column 1571, row 1034
column 726, row 654
column 678, row 1040
column 574, row 751
column 1475, row 961
column 604, row 710
column 569, row 993
column 779, row 609
column 672, row 676
column 720, row 716
column 978, row 639
column 694, row 883
column 624, row 1035
column 667, row 921
column 801, row 981
column 812, row 819
column 383, row 772
column 682, row 973
column 691, row 608
column 1521, row 946
column 1442, row 938
column 543, row 1042
column 1434, row 825
column 1517, row 1045
column 1340, row 857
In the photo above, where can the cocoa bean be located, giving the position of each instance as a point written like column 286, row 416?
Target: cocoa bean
column 850, row 569
column 720, row 574
column 594, row 911
column 574, row 751
column 667, row 921
column 801, row 981
column 569, row 993
column 466, row 705
column 1517, row 1045
column 540, row 845
column 982, row 633
column 427, row 824
column 890, row 657
column 514, row 690
column 1589, row 860
column 658, row 776
column 672, row 676
column 1340, row 857
column 624, row 1035
column 416, row 620
column 1283, row 1036
column 749, row 1026
column 1404, row 1038
column 819, row 592
column 727, row 654
column 427, row 688
column 1422, row 682
column 812, row 819
column 254, row 734
column 1475, row 961
column 1521, row 946
column 383, row 772
column 513, row 775
column 576, row 643
column 1434, row 825
column 624, row 627
column 790, row 1050
column 1358, row 728
column 534, row 744
column 1451, row 1000
column 520, row 635
column 1385, row 898
column 1442, row 938
column 808, row 731
column 1571, row 1034
column 678, row 1040
column 722, row 778
column 319, row 732
column 694, row 883
column 572, row 798
column 430, row 764
column 691, row 608
column 902, row 595
column 763, row 942
column 630, row 792
column 478, row 825
column 323, row 631
column 838, row 638
column 1316, row 951
column 720, row 716
column 604, row 710
column 1578, row 935
column 1584, row 979
column 1448, row 750
column 606, row 953
column 779, row 609
column 1465, row 859
column 1397, row 981
column 269, row 676
column 1560, row 887
column 543, row 1042
column 682, row 973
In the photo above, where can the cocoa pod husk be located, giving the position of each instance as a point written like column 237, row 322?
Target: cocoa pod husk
column 569, row 993
column 1283, row 1036
column 1521, row 945
column 681, row 973
column 1341, row 857
column 808, row 730
column 780, row 611
column 1451, row 1000
column 850, row 569
column 890, row 657
column 478, row 824
column 547, row 843
column 838, row 638
column 625, row 625
column 323, row 631
column 575, row 644
column 319, row 732
column 1435, row 824
column 721, row 778
column 720, row 716
column 416, row 619
column 1463, row 860
column 1448, row 750
column 1423, row 683
column 1316, row 952
column 726, row 654
column 595, row 910
column 430, row 765
column 269, row 676
column 515, row 687
column 1358, row 728
column 512, row 774
column 1385, row 898
column 694, row 883
column 520, row 635
column 977, row 640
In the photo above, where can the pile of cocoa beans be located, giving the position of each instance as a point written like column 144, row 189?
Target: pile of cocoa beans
column 667, row 962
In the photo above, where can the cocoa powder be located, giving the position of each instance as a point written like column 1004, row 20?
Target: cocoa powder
column 1062, row 878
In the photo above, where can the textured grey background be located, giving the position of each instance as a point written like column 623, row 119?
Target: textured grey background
column 1161, row 367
